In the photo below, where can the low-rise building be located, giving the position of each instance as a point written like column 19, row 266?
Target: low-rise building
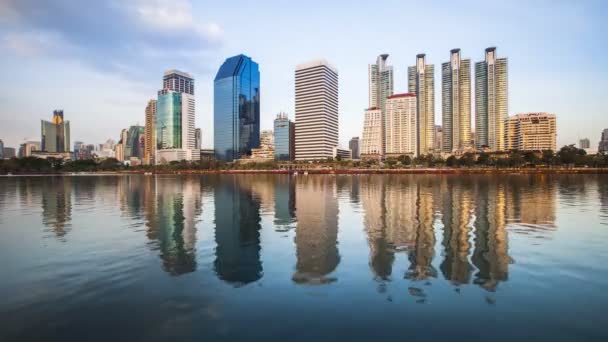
column 342, row 153
column 531, row 132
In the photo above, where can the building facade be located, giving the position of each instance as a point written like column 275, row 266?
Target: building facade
column 603, row 145
column 1, row 149
column 316, row 102
column 284, row 142
column 380, row 86
column 371, row 142
column 401, row 125
column 150, row 133
column 353, row 145
column 198, row 136
column 584, row 143
column 26, row 149
column 134, row 148
column 55, row 134
column 236, row 113
column 456, row 103
column 266, row 149
column 531, row 132
column 491, row 101
column 342, row 153
column 421, row 82
column 9, row 152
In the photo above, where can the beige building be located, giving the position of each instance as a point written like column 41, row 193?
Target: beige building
column 531, row 132
column 371, row 143
column 150, row 133
column 456, row 103
column 266, row 149
column 421, row 82
column 401, row 125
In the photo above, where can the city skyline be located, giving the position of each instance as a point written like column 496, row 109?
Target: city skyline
column 535, row 81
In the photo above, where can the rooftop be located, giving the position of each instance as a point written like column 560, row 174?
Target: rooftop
column 176, row 72
column 316, row 63
column 394, row 96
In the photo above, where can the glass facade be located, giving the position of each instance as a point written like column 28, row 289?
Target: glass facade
column 283, row 139
column 169, row 121
column 236, row 117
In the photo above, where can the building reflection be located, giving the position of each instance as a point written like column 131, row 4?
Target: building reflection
column 602, row 191
column 284, row 202
column 382, row 254
column 531, row 202
column 237, row 232
column 421, row 257
column 316, row 230
column 57, row 205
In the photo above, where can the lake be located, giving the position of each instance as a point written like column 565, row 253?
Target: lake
column 308, row 257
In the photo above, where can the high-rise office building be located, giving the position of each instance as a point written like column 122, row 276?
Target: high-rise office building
column 316, row 110
column 401, row 125
column 603, row 145
column 372, row 142
column 135, row 138
column 198, row 136
column 150, row 133
column 380, row 86
column 175, row 114
column 421, row 82
column 584, row 143
column 284, row 134
column 531, row 132
column 353, row 145
column 236, row 113
column 491, row 101
column 55, row 134
column 456, row 103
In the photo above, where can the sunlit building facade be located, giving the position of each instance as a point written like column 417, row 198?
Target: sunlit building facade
column 456, row 103
column 421, row 82
column 531, row 132
column 55, row 134
column 380, row 77
column 401, row 125
column 371, row 142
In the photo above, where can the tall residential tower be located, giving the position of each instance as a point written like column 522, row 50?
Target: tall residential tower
column 456, row 103
column 150, row 133
column 421, row 83
column 380, row 88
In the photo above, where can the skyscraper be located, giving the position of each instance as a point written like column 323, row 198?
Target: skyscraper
column 380, row 87
column 1, row 149
column 421, row 82
column 133, row 147
column 401, row 125
column 316, row 110
column 491, row 101
column 456, row 103
column 198, row 136
column 236, row 114
column 55, row 134
column 175, row 113
column 150, row 133
column 353, row 145
column 284, row 143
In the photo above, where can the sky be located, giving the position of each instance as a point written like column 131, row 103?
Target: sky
column 101, row 61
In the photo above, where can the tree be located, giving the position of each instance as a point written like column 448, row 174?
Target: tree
column 404, row 159
column 530, row 158
column 569, row 154
column 548, row 157
column 467, row 159
column 483, row 159
column 451, row 161
column 515, row 159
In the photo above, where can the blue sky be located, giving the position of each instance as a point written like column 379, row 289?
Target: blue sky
column 102, row 60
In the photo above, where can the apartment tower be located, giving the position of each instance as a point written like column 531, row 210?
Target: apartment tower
column 380, row 87
column 150, row 133
column 456, row 103
column 421, row 83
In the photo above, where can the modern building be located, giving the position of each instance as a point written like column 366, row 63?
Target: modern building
column 372, row 140
column 584, row 143
column 316, row 103
column 198, row 136
column 266, row 149
column 380, row 86
column 29, row 146
column 421, row 82
column 1, row 149
column 531, row 132
column 401, row 125
column 456, row 103
column 491, row 101
column 603, row 145
column 353, row 145
column 438, row 138
column 55, row 134
column 8, row 152
column 342, row 153
column 150, row 131
column 119, row 149
column 236, row 113
column 135, row 140
column 175, row 114
column 284, row 138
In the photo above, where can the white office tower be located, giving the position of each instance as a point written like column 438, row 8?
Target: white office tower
column 316, row 132
column 371, row 144
column 401, row 125
column 421, row 82
column 380, row 87
column 456, row 103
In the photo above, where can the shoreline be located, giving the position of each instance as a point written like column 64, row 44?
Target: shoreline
column 414, row 171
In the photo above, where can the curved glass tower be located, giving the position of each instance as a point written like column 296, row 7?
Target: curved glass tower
column 236, row 113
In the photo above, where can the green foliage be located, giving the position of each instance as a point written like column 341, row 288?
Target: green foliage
column 452, row 161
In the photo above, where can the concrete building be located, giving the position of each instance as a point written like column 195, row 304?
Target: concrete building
column 119, row 149
column 1, row 149
column 150, row 133
column 284, row 138
column 380, row 86
column 198, row 139
column 29, row 146
column 456, row 103
column 266, row 149
column 316, row 102
column 55, row 134
column 584, row 143
column 421, row 82
column 342, row 153
column 491, row 101
column 8, row 152
column 401, row 125
column 353, row 145
column 438, row 138
column 531, row 132
column 371, row 144
column 603, row 145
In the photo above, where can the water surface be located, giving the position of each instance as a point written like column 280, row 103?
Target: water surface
column 317, row 257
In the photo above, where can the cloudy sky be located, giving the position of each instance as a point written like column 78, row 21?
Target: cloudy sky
column 100, row 61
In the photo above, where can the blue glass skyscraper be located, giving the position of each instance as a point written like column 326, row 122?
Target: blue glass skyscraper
column 236, row 114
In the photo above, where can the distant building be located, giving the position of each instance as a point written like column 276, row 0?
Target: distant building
column 150, row 131
column 401, row 125
column 456, row 103
column 119, row 149
column 371, row 144
column 55, row 134
column 26, row 149
column 491, row 101
column 198, row 135
column 342, row 153
column 284, row 138
column 1, row 149
column 266, row 149
column 421, row 82
column 584, row 143
column 236, row 110
column 52, row 155
column 135, row 140
column 438, row 138
column 8, row 152
column 353, row 145
column 603, row 145
column 531, row 132
column 316, row 103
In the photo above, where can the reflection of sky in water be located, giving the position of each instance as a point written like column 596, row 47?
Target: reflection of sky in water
column 164, row 257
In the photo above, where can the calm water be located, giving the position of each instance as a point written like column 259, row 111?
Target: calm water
column 304, row 258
